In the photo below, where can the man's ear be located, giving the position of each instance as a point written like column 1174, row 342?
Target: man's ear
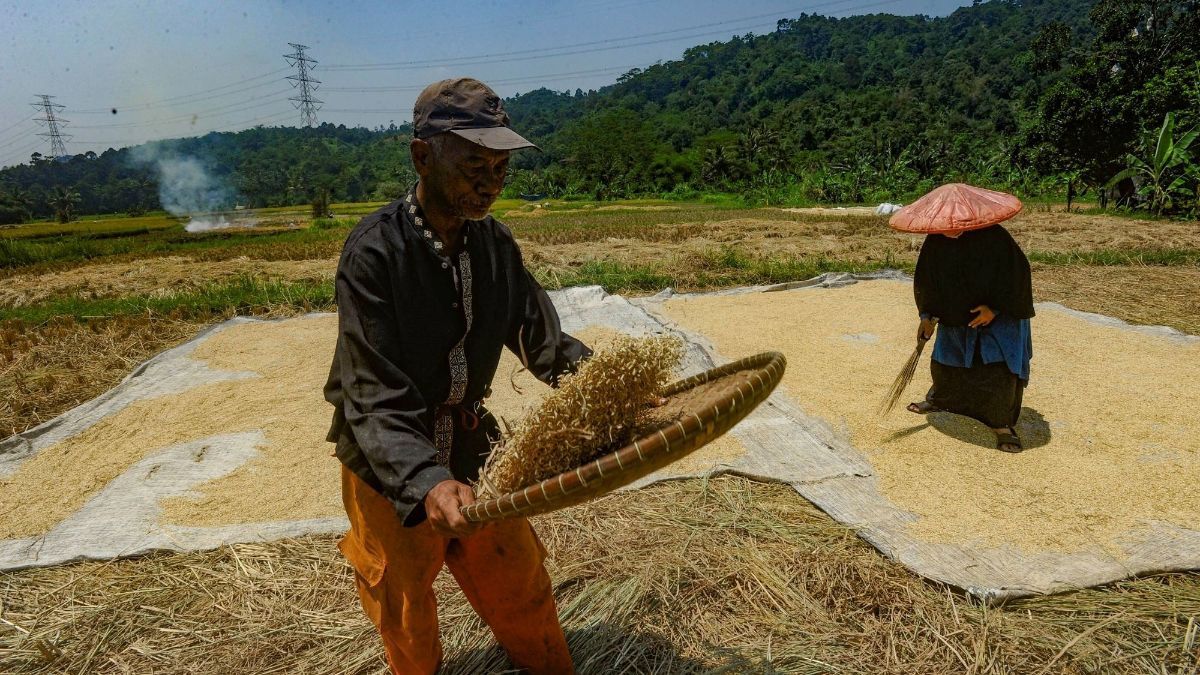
column 420, row 151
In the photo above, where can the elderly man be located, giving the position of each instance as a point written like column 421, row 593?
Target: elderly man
column 429, row 289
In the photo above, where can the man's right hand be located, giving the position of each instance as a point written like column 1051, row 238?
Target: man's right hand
column 442, row 505
column 925, row 330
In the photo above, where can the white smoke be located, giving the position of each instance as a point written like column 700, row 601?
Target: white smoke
column 187, row 188
column 207, row 223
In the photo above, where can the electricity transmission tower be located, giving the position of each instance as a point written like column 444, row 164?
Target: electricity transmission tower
column 58, row 150
column 302, row 80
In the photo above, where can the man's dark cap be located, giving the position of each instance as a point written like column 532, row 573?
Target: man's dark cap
column 468, row 108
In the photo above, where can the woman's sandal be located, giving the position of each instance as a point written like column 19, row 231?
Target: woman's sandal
column 1007, row 441
column 922, row 408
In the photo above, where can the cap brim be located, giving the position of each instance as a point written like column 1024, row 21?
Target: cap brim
column 496, row 138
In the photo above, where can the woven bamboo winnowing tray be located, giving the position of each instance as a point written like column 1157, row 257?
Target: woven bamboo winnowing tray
column 698, row 410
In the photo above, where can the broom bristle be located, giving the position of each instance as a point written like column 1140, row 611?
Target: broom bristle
column 902, row 380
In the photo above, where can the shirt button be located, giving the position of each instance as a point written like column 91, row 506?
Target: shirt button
column 454, row 305
column 445, row 265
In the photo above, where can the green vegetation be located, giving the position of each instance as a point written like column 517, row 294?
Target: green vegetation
column 95, row 227
column 322, row 241
column 720, row 268
column 1168, row 174
column 245, row 295
column 1167, row 257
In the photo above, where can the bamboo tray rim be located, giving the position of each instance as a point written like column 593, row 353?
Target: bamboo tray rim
column 651, row 451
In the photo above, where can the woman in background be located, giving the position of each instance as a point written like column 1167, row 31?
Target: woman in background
column 973, row 281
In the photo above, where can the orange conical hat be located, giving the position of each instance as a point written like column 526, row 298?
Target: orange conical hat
column 955, row 207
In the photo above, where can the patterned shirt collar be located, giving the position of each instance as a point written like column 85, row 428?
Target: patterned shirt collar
column 414, row 212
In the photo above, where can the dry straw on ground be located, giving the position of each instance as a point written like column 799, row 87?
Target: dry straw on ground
column 1113, row 442
column 50, row 368
column 684, row 577
column 593, row 411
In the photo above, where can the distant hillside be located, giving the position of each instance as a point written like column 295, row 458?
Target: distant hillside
column 936, row 94
column 840, row 86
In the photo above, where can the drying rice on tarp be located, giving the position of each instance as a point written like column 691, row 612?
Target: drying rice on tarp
column 1101, row 493
column 1113, row 441
column 594, row 411
column 279, row 368
column 1112, row 437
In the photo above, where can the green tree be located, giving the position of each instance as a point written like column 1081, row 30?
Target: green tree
column 1139, row 64
column 63, row 200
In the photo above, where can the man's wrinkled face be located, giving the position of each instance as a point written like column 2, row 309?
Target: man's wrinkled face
column 461, row 179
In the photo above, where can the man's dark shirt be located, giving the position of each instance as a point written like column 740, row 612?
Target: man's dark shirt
column 401, row 313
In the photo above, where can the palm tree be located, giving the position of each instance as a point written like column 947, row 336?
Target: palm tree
column 1168, row 169
column 715, row 166
column 63, row 201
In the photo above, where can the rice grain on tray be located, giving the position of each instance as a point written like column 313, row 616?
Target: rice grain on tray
column 592, row 412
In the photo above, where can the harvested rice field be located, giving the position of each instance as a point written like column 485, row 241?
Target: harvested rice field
column 719, row 574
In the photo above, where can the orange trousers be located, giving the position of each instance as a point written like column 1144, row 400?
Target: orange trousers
column 499, row 568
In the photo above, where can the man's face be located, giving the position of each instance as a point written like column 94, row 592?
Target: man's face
column 461, row 179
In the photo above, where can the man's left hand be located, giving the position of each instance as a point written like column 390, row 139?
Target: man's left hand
column 985, row 316
column 442, row 506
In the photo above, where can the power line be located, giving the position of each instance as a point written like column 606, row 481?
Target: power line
column 58, row 149
column 14, row 139
column 516, row 80
column 14, row 126
column 586, row 47
column 305, row 102
column 194, row 96
column 27, row 147
column 190, row 115
column 217, row 129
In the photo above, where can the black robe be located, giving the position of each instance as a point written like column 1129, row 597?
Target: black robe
column 981, row 267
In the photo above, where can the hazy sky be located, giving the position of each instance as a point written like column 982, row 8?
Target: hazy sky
column 176, row 68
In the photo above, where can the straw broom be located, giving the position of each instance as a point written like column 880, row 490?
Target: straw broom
column 905, row 376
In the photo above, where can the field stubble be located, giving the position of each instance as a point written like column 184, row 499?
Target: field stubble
column 724, row 575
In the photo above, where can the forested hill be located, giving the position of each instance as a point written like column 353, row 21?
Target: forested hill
column 1014, row 94
column 829, row 89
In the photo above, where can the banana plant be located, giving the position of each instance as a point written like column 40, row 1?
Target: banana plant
column 1167, row 171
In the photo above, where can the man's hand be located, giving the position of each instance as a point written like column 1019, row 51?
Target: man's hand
column 441, row 507
column 985, row 316
column 925, row 330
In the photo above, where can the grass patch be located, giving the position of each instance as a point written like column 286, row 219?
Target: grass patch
column 269, row 244
column 615, row 277
column 1163, row 257
column 717, row 268
column 97, row 227
column 243, row 296
column 23, row 252
column 331, row 223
